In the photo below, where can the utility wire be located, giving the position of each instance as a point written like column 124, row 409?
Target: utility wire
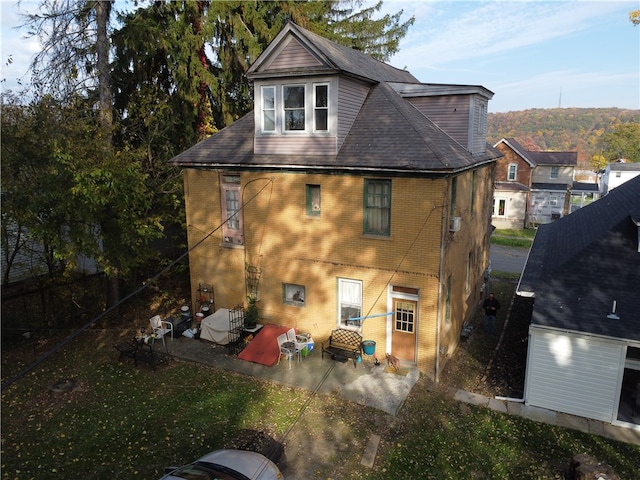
column 146, row 284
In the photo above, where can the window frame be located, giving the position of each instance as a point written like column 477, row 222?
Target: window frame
column 514, row 177
column 312, row 211
column 324, row 108
column 554, row 174
column 231, row 182
column 342, row 304
column 370, row 210
column 271, row 109
column 496, row 210
column 302, row 109
column 288, row 298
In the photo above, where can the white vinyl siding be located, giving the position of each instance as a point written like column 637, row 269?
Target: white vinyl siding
column 292, row 55
column 573, row 374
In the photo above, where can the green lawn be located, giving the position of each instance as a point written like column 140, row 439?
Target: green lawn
column 129, row 422
column 513, row 238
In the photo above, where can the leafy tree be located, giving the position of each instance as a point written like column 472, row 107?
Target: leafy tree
column 622, row 143
column 106, row 188
column 634, row 17
column 598, row 162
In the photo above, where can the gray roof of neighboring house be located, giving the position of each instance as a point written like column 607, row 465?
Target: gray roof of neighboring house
column 580, row 264
column 558, row 187
column 584, row 187
column 511, row 187
column 625, row 166
column 388, row 135
column 536, row 158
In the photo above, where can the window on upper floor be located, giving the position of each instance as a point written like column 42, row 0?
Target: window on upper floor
column 313, row 200
column 377, row 207
column 294, row 107
column 268, row 109
column 512, row 172
column 231, row 199
column 554, row 172
column 321, row 108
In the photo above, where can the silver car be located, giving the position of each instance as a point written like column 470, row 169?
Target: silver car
column 227, row 465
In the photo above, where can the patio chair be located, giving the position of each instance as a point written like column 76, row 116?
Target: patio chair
column 286, row 348
column 295, row 339
column 160, row 328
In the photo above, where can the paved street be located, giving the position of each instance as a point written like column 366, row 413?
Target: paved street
column 508, row 259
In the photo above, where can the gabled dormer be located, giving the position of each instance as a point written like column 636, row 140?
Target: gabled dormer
column 308, row 91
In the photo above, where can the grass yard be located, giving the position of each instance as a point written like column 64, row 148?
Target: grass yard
column 513, row 238
column 128, row 422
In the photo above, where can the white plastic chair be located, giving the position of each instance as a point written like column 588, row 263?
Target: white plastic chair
column 284, row 350
column 160, row 328
column 292, row 337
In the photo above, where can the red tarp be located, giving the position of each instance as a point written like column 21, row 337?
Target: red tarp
column 264, row 349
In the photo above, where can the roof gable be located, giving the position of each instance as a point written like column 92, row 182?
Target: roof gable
column 332, row 57
column 581, row 263
column 518, row 149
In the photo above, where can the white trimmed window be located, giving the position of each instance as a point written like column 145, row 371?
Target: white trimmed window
column 268, row 109
column 555, row 171
column 512, row 172
column 499, row 207
column 294, row 107
column 321, row 108
column 231, row 200
column 349, row 303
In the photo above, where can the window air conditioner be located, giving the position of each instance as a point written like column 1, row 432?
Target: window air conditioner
column 454, row 225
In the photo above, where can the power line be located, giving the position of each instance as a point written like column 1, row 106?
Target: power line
column 68, row 339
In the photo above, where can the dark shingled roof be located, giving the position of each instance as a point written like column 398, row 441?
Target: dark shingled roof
column 536, row 158
column 558, row 187
column 389, row 134
column 511, row 187
column 584, row 187
column 580, row 264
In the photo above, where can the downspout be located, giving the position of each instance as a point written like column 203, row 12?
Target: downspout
column 443, row 229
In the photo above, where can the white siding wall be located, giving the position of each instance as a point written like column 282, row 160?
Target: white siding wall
column 573, row 374
column 292, row 55
column 514, row 212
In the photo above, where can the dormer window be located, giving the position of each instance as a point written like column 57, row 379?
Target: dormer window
column 294, row 118
column 268, row 109
column 321, row 108
column 303, row 107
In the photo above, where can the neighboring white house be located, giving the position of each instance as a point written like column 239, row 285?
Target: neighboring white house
column 616, row 173
column 583, row 355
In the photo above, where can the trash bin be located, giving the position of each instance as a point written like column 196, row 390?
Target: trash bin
column 369, row 347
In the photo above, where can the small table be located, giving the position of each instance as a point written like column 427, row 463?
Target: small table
column 255, row 329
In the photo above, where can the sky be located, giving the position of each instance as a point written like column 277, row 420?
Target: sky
column 530, row 54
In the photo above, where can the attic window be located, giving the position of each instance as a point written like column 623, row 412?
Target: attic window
column 294, row 107
column 268, row 109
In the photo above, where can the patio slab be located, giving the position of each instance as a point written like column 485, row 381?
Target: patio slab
column 366, row 384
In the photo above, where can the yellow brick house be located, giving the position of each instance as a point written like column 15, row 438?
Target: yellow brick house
column 353, row 196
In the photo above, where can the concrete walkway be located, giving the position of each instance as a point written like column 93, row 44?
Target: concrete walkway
column 537, row 414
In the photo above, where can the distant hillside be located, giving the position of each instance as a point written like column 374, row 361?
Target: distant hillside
column 563, row 129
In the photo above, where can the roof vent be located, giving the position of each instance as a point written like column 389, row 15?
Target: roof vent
column 613, row 315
